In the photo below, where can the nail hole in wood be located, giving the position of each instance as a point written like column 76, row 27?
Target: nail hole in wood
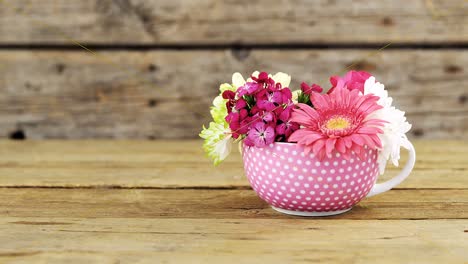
column 387, row 21
column 60, row 67
column 453, row 69
column 418, row 132
column 240, row 53
column 462, row 99
column 18, row 135
column 152, row 68
column 152, row 102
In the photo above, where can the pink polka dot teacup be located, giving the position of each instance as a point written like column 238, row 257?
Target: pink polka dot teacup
column 298, row 184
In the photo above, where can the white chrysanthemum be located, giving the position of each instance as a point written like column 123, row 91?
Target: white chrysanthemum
column 280, row 77
column 394, row 136
column 378, row 89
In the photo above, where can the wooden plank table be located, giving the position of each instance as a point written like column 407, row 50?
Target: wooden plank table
column 162, row 202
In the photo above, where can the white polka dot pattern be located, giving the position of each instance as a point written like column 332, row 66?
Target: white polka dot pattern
column 295, row 182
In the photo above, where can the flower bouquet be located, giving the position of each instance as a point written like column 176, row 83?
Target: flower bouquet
column 307, row 152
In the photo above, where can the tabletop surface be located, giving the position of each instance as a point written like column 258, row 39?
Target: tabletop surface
column 163, row 202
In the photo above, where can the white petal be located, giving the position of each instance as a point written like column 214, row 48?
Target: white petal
column 405, row 143
column 395, row 158
column 223, row 147
column 378, row 89
column 382, row 161
column 406, row 127
column 369, row 84
column 295, row 96
column 254, row 74
column 238, row 80
column 282, row 78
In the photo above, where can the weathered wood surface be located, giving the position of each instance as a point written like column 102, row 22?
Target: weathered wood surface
column 166, row 94
column 160, row 201
column 174, row 164
column 136, row 240
column 232, row 22
column 216, row 203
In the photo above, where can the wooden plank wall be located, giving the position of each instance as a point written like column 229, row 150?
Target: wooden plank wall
column 149, row 69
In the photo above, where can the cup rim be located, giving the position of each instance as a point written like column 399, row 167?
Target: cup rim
column 291, row 144
column 280, row 143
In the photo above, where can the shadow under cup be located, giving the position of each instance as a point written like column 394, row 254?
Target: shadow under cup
column 295, row 183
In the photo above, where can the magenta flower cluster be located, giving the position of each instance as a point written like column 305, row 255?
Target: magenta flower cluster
column 260, row 111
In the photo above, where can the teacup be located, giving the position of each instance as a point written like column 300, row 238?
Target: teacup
column 298, row 184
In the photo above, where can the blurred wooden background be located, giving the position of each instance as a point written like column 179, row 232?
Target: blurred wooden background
column 149, row 69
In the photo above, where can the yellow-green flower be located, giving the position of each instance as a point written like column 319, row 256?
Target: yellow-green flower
column 218, row 110
column 218, row 141
column 217, row 136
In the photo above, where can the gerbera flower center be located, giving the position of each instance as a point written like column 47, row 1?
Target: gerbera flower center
column 337, row 123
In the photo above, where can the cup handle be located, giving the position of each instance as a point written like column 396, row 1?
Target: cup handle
column 385, row 186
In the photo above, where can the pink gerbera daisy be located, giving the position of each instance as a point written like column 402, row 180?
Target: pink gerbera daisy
column 338, row 122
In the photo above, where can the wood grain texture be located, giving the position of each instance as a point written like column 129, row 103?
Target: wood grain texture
column 174, row 164
column 131, row 240
column 181, row 211
column 232, row 22
column 167, row 94
column 215, row 203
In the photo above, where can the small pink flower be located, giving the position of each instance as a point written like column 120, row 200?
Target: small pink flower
column 228, row 94
column 260, row 101
column 306, row 89
column 241, row 103
column 286, row 127
column 338, row 122
column 270, row 100
column 352, row 80
column 260, row 135
column 263, row 78
column 238, row 122
column 268, row 117
column 287, row 95
column 248, row 89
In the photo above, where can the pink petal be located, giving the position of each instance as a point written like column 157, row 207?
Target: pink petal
column 356, row 148
column 298, row 135
column 312, row 137
column 340, row 145
column 369, row 142
column 358, row 140
column 307, row 150
column 308, row 110
column 369, row 130
column 318, row 146
column 330, row 145
column 346, row 155
column 348, row 142
column 377, row 141
column 318, row 100
column 321, row 154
